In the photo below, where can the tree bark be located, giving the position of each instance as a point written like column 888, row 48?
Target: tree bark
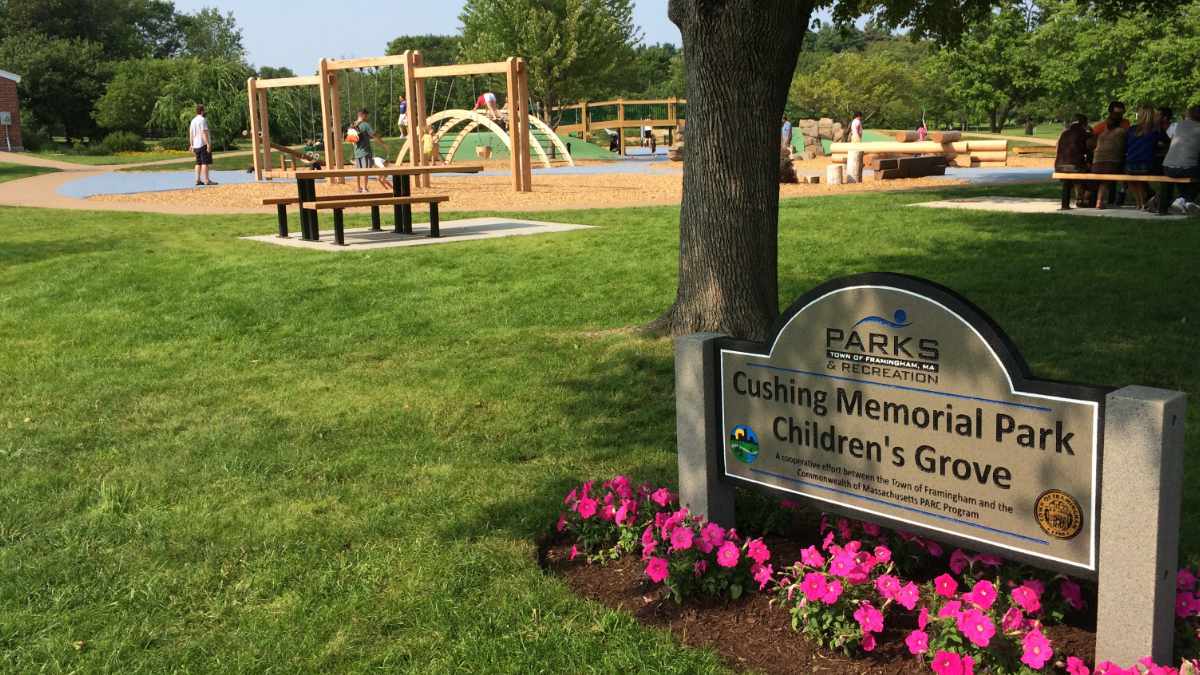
column 739, row 57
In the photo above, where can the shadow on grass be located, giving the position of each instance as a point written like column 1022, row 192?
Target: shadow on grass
column 26, row 252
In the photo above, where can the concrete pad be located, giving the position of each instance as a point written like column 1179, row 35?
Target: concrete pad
column 1050, row 206
column 470, row 229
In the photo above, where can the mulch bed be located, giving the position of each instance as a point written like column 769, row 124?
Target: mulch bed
column 749, row 634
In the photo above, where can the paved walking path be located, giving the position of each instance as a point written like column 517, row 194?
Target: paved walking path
column 30, row 159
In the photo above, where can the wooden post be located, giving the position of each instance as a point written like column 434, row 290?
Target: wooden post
column 418, row 61
column 264, row 124
column 327, row 134
column 338, row 153
column 587, row 123
column 513, row 123
column 621, row 127
column 672, row 111
column 523, row 103
column 415, row 107
column 252, row 100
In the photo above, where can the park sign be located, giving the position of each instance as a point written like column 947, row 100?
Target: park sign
column 897, row 399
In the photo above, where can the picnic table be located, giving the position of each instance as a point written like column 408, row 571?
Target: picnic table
column 1166, row 184
column 401, row 199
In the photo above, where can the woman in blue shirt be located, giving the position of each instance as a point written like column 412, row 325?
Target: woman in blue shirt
column 1141, row 143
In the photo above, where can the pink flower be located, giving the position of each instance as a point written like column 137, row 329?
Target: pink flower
column 883, row 554
column 959, row 561
column 908, row 596
column 1183, row 605
column 681, row 538
column 978, row 628
column 571, row 497
column 728, row 554
column 917, row 641
column 562, row 523
column 1013, row 620
column 968, row 665
column 1035, row 585
column 1037, row 649
column 950, row 610
column 812, row 557
column 947, row 663
column 1027, row 599
column 934, row 549
column 868, row 642
column 1110, row 668
column 713, row 535
column 871, row 529
column 1072, row 594
column 843, row 527
column 1185, row 580
column 982, row 594
column 827, row 542
column 843, row 564
column 700, row 568
column 833, row 591
column 657, row 569
column 1075, row 666
column 989, row 560
column 762, row 574
column 888, row 586
column 923, row 618
column 574, row 552
column 813, row 586
column 625, row 514
column 608, row 513
column 869, row 619
column 586, row 507
column 661, row 496
column 946, row 586
column 757, row 551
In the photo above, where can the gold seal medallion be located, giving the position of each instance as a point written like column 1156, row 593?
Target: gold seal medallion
column 1058, row 514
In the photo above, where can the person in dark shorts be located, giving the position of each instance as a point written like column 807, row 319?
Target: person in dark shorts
column 1074, row 155
column 200, row 141
column 1183, row 158
column 364, row 158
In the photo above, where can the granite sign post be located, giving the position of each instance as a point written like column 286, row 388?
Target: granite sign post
column 892, row 399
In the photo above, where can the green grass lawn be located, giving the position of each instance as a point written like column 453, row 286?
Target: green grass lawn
column 122, row 158
column 16, row 171
column 224, row 456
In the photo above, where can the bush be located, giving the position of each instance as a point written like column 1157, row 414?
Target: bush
column 173, row 143
column 35, row 139
column 122, row 141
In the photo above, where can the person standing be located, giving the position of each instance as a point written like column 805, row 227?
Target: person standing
column 786, row 136
column 922, row 132
column 200, row 141
column 403, row 119
column 364, row 158
column 856, row 128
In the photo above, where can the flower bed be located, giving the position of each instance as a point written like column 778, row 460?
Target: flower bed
column 834, row 595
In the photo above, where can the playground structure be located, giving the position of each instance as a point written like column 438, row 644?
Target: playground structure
column 516, row 137
column 621, row 114
column 544, row 142
column 949, row 144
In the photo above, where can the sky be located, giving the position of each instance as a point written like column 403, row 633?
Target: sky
column 298, row 33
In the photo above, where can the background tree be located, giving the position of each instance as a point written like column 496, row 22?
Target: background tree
column 61, row 79
column 655, row 72
column 880, row 81
column 437, row 50
column 574, row 48
column 208, row 34
column 219, row 85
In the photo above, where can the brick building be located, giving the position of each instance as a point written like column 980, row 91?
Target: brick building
column 10, row 111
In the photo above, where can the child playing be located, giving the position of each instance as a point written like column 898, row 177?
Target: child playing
column 429, row 146
column 363, row 157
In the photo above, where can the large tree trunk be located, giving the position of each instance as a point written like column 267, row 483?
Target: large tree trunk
column 739, row 57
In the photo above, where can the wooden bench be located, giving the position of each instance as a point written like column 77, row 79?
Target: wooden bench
column 1165, row 190
column 281, row 204
column 338, row 206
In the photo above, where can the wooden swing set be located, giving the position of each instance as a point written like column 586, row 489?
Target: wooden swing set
column 415, row 75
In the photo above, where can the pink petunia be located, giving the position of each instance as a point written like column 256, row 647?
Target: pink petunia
column 713, row 535
column 661, row 496
column 1037, row 649
column 833, row 591
column 1110, row 668
column 757, row 551
column 923, row 618
column 1013, row 620
column 813, row 586
column 571, row 497
column 700, row 568
column 869, row 619
column 946, row 586
column 657, row 569
column 1183, row 604
column 871, row 529
column 888, row 586
column 968, row 665
column 959, row 561
column 1185, row 580
column 762, row 574
column 828, row 541
column 883, row 554
column 947, row 663
column 586, row 507
column 934, row 548
column 989, row 560
column 978, row 628
column 812, row 557
column 1027, row 599
column 908, row 596
column 561, row 524
column 1072, row 594
column 917, row 641
column 1035, row 585
column 1076, row 666
column 868, row 642
column 728, row 554
column 843, row 564
column 950, row 610
column 574, row 552
column 681, row 538
column 983, row 594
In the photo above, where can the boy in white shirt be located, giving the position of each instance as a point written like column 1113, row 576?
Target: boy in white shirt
column 201, row 144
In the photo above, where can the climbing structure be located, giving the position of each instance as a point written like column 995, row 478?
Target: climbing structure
column 456, row 125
